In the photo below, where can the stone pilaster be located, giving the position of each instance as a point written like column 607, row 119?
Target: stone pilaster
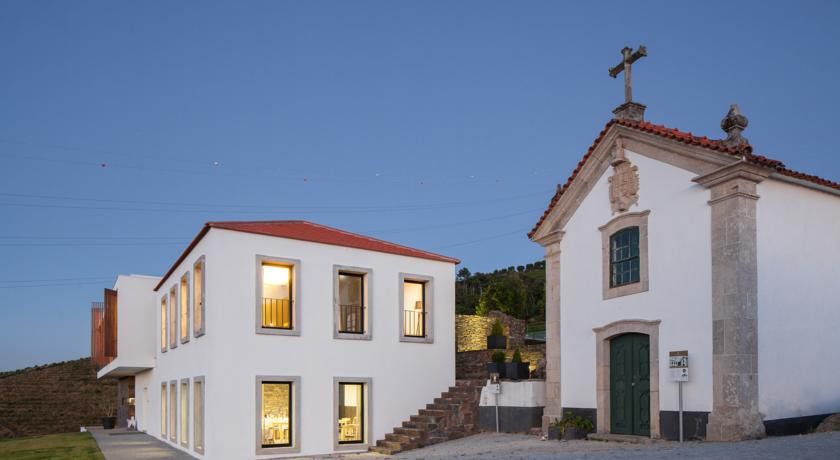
column 553, row 407
column 733, row 204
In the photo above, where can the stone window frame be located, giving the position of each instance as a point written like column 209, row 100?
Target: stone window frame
column 603, row 336
column 366, row 402
column 164, row 318
column 173, row 411
column 296, row 295
column 184, row 304
column 199, row 421
column 184, row 415
column 164, row 410
column 174, row 316
column 367, row 283
column 620, row 222
column 199, row 329
column 295, row 412
column 429, row 307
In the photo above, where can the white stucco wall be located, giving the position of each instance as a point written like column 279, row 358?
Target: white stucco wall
column 798, row 303
column 405, row 376
column 680, row 284
column 526, row 393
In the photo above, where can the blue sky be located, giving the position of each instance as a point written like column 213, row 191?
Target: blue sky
column 442, row 125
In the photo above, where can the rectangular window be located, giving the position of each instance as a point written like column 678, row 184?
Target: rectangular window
column 276, row 414
column 173, row 411
column 414, row 308
column 624, row 257
column 351, row 303
column 351, row 413
column 198, row 298
column 198, row 414
column 163, row 330
column 163, row 410
column 173, row 317
column 185, row 308
column 277, row 296
column 185, row 412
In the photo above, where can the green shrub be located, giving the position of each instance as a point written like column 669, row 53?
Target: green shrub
column 498, row 357
column 517, row 357
column 573, row 421
column 497, row 328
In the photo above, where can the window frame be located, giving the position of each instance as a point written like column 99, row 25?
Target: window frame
column 198, row 413
column 174, row 312
column 173, row 411
column 616, row 224
column 164, row 410
column 295, row 291
column 184, row 413
column 367, row 298
column 632, row 231
column 184, row 307
column 367, row 408
column 199, row 327
column 164, row 318
column 428, row 307
column 294, row 425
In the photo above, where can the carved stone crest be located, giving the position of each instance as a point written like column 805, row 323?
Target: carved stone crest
column 624, row 183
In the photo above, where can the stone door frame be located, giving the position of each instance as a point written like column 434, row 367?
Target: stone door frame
column 603, row 336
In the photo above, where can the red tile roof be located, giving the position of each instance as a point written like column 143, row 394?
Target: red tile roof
column 743, row 151
column 308, row 231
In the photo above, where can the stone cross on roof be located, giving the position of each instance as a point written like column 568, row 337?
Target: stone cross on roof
column 629, row 110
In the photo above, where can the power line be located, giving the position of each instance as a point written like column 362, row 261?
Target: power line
column 57, row 279
column 522, row 231
column 80, row 283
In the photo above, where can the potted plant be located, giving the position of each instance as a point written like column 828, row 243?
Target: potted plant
column 497, row 363
column 554, row 430
column 516, row 369
column 109, row 414
column 497, row 340
column 574, row 427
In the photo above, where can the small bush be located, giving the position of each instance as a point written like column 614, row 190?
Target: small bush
column 497, row 328
column 498, row 357
column 517, row 357
column 573, row 421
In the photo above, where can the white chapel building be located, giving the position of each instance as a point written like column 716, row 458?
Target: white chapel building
column 662, row 241
column 282, row 339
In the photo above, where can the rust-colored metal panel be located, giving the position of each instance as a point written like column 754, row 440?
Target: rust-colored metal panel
column 110, row 323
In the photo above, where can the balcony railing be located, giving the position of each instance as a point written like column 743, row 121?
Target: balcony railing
column 414, row 323
column 351, row 319
column 276, row 313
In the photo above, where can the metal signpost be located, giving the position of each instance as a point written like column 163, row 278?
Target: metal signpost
column 678, row 364
column 495, row 388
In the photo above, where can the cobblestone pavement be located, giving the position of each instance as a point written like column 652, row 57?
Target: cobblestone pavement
column 134, row 445
column 510, row 446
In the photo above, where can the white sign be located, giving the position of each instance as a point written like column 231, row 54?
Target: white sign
column 494, row 388
column 678, row 365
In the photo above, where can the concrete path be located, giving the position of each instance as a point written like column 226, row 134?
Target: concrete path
column 134, row 445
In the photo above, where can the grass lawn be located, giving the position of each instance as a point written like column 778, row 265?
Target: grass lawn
column 75, row 446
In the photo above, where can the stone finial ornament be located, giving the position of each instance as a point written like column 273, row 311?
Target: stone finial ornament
column 624, row 183
column 733, row 124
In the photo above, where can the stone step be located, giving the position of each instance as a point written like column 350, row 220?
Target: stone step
column 400, row 438
column 433, row 412
column 447, row 407
column 414, row 433
column 609, row 437
column 384, row 450
column 393, row 445
column 425, row 419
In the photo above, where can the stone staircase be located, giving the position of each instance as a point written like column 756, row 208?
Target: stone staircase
column 451, row 416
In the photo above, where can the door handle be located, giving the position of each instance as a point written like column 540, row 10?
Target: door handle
column 632, row 384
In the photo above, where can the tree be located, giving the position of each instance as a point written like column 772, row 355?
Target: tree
column 506, row 294
column 463, row 275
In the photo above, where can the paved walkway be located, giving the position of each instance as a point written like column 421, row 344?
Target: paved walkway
column 134, row 445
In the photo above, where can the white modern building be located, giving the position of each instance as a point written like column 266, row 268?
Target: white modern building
column 662, row 241
column 284, row 338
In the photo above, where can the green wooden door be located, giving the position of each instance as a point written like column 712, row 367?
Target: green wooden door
column 630, row 384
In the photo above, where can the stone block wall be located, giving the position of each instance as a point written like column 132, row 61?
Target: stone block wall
column 471, row 331
column 471, row 364
column 55, row 398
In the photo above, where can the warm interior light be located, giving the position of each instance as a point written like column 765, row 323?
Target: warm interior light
column 276, row 275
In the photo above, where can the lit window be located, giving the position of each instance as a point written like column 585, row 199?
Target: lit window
column 173, row 318
column 198, row 298
column 198, row 414
column 351, row 413
column 163, row 324
column 185, row 412
column 351, row 303
column 276, row 414
column 173, row 411
column 277, row 296
column 414, row 308
column 163, row 411
column 185, row 308
column 624, row 257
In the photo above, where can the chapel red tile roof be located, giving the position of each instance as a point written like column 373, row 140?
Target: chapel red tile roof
column 308, row 231
column 742, row 151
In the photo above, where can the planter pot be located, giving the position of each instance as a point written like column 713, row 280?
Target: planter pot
column 496, row 367
column 572, row 433
column 553, row 432
column 109, row 423
column 496, row 342
column 517, row 371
